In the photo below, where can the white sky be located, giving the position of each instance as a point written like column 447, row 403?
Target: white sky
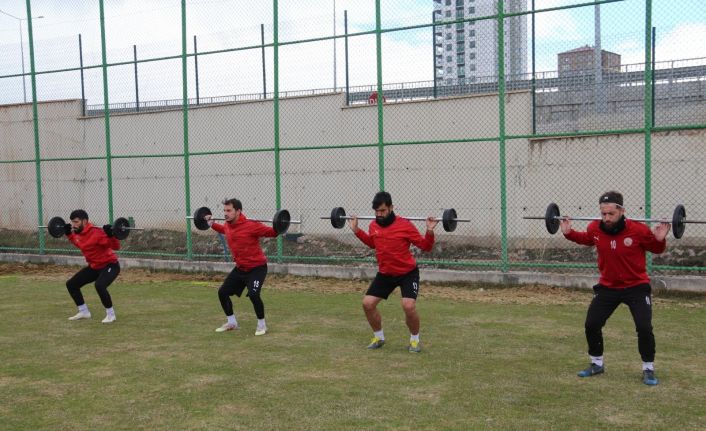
column 155, row 27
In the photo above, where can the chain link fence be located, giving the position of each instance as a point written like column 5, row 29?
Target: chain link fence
column 493, row 108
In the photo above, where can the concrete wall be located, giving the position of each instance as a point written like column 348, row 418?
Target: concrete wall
column 423, row 179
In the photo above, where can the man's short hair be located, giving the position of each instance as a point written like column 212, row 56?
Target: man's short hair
column 611, row 197
column 382, row 198
column 235, row 203
column 78, row 214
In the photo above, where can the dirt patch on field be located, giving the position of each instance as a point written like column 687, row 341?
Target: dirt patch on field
column 463, row 292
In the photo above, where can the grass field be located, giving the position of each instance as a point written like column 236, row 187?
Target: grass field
column 494, row 358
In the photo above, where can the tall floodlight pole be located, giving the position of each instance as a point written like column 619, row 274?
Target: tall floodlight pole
column 335, row 83
column 22, row 50
column 598, row 60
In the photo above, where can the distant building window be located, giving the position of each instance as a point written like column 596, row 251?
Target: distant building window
column 447, row 14
column 472, row 67
column 449, row 47
column 449, row 69
column 472, row 56
column 459, row 13
column 461, row 71
column 471, row 43
column 448, row 36
column 472, row 10
column 448, row 2
column 472, row 33
column 449, row 59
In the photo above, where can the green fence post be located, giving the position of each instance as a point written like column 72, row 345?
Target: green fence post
column 648, row 118
column 501, row 126
column 381, row 135
column 35, row 121
column 275, row 47
column 185, row 111
column 106, row 112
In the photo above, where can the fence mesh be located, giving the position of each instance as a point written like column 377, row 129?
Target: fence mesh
column 493, row 108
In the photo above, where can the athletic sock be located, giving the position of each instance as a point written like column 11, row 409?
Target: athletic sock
column 231, row 320
column 413, row 337
column 648, row 366
column 598, row 360
column 261, row 323
column 110, row 311
column 379, row 334
column 83, row 308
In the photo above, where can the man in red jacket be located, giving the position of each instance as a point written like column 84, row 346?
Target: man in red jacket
column 97, row 247
column 243, row 236
column 391, row 236
column 621, row 245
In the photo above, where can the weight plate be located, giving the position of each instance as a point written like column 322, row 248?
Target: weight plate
column 336, row 217
column 281, row 221
column 550, row 218
column 56, row 227
column 678, row 224
column 119, row 228
column 199, row 220
column 448, row 220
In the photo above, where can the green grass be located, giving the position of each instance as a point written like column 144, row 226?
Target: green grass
column 484, row 366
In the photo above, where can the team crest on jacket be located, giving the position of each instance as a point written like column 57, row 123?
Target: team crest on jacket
column 627, row 241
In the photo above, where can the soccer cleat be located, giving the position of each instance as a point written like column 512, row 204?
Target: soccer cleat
column 649, row 378
column 414, row 346
column 226, row 327
column 81, row 315
column 109, row 318
column 376, row 343
column 592, row 370
column 261, row 330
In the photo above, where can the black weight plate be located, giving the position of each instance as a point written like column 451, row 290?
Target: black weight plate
column 448, row 220
column 550, row 218
column 678, row 224
column 336, row 217
column 199, row 220
column 119, row 228
column 56, row 227
column 281, row 221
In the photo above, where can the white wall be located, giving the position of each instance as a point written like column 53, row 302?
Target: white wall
column 423, row 179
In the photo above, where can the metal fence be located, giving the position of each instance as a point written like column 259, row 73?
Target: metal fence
column 493, row 108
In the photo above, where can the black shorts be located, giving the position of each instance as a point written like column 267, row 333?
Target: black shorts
column 383, row 285
column 238, row 280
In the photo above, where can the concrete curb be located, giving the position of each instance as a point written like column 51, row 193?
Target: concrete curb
column 585, row 281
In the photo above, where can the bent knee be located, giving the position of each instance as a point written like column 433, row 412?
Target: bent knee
column 409, row 306
column 643, row 329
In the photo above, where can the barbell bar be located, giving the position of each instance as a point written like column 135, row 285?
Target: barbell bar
column 280, row 221
column 121, row 227
column 552, row 217
column 449, row 218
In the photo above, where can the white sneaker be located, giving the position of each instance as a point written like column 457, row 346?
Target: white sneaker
column 81, row 315
column 226, row 327
column 109, row 318
column 261, row 331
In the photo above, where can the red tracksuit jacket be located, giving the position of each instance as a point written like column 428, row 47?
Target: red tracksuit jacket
column 621, row 257
column 391, row 245
column 96, row 246
column 243, row 238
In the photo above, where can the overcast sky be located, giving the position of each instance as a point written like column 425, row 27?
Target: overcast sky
column 155, row 27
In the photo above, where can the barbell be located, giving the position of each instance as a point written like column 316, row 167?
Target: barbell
column 121, row 227
column 448, row 219
column 552, row 217
column 280, row 221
